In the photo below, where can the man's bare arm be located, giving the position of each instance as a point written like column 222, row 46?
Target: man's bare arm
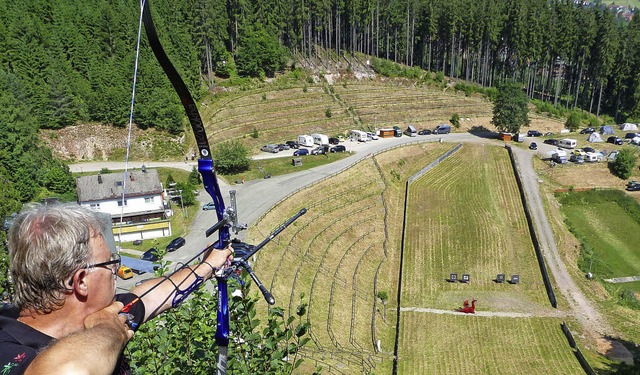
column 160, row 298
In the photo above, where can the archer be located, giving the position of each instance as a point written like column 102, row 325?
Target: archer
column 65, row 281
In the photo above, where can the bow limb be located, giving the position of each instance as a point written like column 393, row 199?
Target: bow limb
column 205, row 167
column 205, row 162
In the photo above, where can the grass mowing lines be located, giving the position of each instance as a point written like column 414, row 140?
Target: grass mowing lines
column 321, row 235
column 460, row 235
column 457, row 344
column 341, row 289
column 322, row 277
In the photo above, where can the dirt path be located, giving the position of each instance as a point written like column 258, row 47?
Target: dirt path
column 485, row 313
column 583, row 309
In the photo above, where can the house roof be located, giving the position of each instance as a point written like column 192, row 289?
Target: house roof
column 109, row 186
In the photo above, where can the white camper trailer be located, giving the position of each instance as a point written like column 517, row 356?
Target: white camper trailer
column 358, row 135
column 568, row 143
column 305, row 140
column 320, row 139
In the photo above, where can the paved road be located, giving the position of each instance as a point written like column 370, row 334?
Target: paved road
column 258, row 196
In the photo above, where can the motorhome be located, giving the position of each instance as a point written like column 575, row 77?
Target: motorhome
column 411, row 131
column 358, row 135
column 320, row 139
column 305, row 140
column 568, row 143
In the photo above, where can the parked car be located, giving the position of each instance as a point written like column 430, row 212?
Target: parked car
column 175, row 244
column 125, row 272
column 338, row 148
column 578, row 159
column 424, row 132
column 589, row 149
column 137, row 242
column 548, row 134
column 632, row 183
column 292, row 144
column 551, row 141
column 333, row 141
column 283, row 147
column 635, row 187
column 579, row 151
column 301, row 152
column 615, row 140
column 534, row 133
column 372, row 136
column 209, row 206
column 150, row 255
column 630, row 135
column 533, row 146
column 270, row 148
column 587, row 130
column 318, row 151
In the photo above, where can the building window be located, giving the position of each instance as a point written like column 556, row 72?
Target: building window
column 95, row 206
column 120, row 203
column 119, row 183
column 148, row 200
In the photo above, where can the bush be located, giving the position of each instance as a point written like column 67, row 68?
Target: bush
column 455, row 120
column 231, row 157
column 624, row 163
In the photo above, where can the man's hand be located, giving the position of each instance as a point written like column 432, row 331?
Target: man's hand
column 109, row 318
column 219, row 258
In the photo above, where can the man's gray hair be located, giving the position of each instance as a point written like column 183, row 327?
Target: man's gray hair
column 47, row 244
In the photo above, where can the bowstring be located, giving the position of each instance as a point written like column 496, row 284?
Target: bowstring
column 130, row 127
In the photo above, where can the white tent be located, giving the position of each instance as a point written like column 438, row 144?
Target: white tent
column 594, row 137
column 628, row 126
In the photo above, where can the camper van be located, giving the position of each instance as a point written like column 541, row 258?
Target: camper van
column 568, row 143
column 305, row 140
column 359, row 135
column 320, row 139
column 442, row 129
column 411, row 131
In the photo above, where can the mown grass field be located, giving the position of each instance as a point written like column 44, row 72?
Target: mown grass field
column 465, row 216
column 339, row 254
column 346, row 249
column 447, row 344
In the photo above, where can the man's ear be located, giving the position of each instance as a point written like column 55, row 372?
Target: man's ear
column 80, row 286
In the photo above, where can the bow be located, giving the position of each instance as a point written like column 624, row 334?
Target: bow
column 227, row 217
column 206, row 169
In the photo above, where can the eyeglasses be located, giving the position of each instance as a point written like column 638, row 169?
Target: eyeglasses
column 112, row 265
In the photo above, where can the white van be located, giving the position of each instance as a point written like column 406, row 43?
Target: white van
column 320, row 139
column 568, row 143
column 411, row 131
column 358, row 135
column 305, row 140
